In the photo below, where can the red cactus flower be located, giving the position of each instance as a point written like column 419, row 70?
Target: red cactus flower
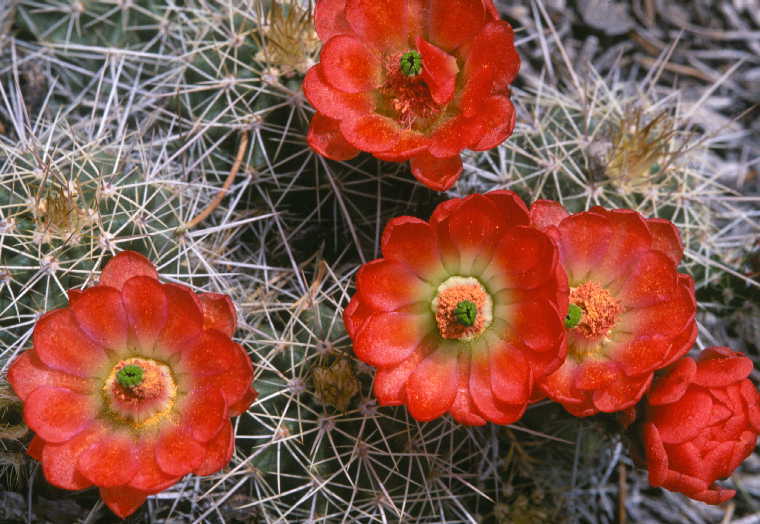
column 463, row 313
column 132, row 385
column 630, row 312
column 411, row 80
column 702, row 421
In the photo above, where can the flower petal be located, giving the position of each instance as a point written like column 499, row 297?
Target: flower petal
column 242, row 405
column 177, row 453
column 62, row 345
column 57, row 414
column 390, row 381
column 123, row 500
column 683, row 420
column 472, row 232
column 463, row 409
column 330, row 19
column 218, row 451
column 388, row 338
column 382, row 23
column 511, row 376
column 203, row 412
column 649, row 280
column 439, row 71
column 125, row 265
column 348, row 65
column 631, row 237
column 657, row 457
column 621, row 393
column 355, row 315
column 453, row 135
column 212, row 354
column 387, row 285
column 641, row 355
column 497, row 116
column 100, row 313
column 372, row 132
column 716, row 370
column 324, row 137
column 666, row 238
column 667, row 318
column 511, row 206
column 218, row 313
column 439, row 174
column 28, row 373
column 409, row 145
column 412, row 242
column 454, row 22
column 432, row 386
column 184, row 319
column 671, row 387
column 59, row 461
column 146, row 305
column 149, row 477
column 537, row 325
column 483, row 394
column 524, row 258
column 333, row 102
column 547, row 213
column 110, row 461
column 593, row 375
column 585, row 238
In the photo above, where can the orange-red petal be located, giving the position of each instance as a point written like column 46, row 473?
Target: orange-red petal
column 56, row 414
column 125, row 265
column 436, row 173
column 110, row 461
column 348, row 65
column 388, row 338
column 27, row 373
column 324, row 137
column 146, row 305
column 218, row 313
column 123, row 500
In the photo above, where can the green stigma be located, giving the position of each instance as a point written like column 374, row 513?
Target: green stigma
column 466, row 312
column 411, row 63
column 574, row 314
column 130, row 376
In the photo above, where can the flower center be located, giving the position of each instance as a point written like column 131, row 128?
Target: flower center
column 139, row 391
column 406, row 97
column 463, row 309
column 593, row 310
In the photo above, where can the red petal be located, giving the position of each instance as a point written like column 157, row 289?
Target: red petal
column 410, row 144
column 596, row 375
column 686, row 458
column 454, row 22
column 537, row 325
column 714, row 371
column 497, row 116
column 714, row 496
column 203, row 413
column 511, row 206
column 752, row 399
column 560, row 385
column 28, row 373
column 332, row 102
column 657, row 457
column 525, row 258
column 451, row 136
column 62, row 345
column 491, row 64
column 100, row 313
column 439, row 71
column 547, row 213
column 682, row 420
column 355, row 315
column 641, row 355
column 123, row 500
column 388, row 338
column 491, row 9
column 110, row 461
column 684, row 483
column 325, row 138
column 124, row 266
column 218, row 313
column 621, row 394
column 511, row 376
column 218, row 451
column 631, row 236
column 184, row 319
column 585, row 238
column 387, row 285
column 348, row 65
column 147, row 307
column 213, row 354
column 670, row 387
column 666, row 238
column 432, row 386
column 668, row 318
column 149, row 477
column 483, row 394
column 242, row 405
column 382, row 23
column 472, row 232
column 373, row 133
column 681, row 344
column 57, row 414
column 439, row 174
column 412, row 242
column 330, row 19
column 59, row 461
column 649, row 280
column 36, row 448
column 463, row 409
column 177, row 453
column 390, row 381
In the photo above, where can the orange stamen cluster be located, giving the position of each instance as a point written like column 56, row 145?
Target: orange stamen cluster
column 143, row 403
column 600, row 309
column 445, row 305
column 408, row 97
